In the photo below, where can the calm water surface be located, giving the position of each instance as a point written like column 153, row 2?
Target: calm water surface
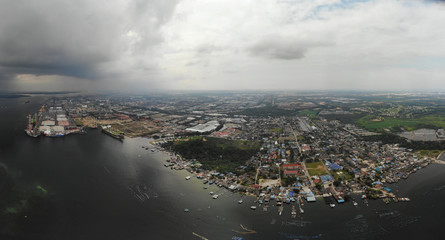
column 88, row 178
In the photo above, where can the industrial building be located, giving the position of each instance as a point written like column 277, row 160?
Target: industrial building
column 206, row 127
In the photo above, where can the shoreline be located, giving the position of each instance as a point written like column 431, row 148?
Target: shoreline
column 260, row 195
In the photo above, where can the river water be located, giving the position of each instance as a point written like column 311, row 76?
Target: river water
column 88, row 178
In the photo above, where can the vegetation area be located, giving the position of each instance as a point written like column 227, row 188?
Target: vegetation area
column 372, row 193
column 344, row 118
column 266, row 111
column 429, row 153
column 341, row 175
column 215, row 153
column 374, row 123
column 276, row 130
column 308, row 113
column 388, row 138
column 316, row 168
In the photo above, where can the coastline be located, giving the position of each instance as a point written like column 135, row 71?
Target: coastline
column 260, row 196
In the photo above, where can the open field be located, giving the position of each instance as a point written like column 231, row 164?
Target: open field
column 394, row 124
column 341, row 175
column 276, row 130
column 137, row 128
column 429, row 153
column 316, row 168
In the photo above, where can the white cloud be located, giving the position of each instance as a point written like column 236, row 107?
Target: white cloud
column 227, row 44
column 322, row 44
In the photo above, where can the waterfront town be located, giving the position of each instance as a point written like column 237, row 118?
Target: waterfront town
column 291, row 148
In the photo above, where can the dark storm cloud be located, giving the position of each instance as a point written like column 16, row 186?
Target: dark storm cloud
column 74, row 38
column 282, row 48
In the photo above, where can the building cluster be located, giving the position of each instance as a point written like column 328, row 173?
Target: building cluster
column 310, row 154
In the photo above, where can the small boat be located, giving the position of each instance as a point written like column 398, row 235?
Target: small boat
column 215, row 196
column 240, row 201
column 293, row 212
column 205, row 182
column 301, row 210
column 186, row 210
column 187, row 178
column 211, row 182
column 332, row 205
column 211, row 193
column 260, row 201
column 253, row 207
column 205, row 187
column 355, row 203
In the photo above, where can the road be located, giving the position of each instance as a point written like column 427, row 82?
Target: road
column 306, row 172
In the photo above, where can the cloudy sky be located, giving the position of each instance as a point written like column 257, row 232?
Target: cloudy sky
column 142, row 45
